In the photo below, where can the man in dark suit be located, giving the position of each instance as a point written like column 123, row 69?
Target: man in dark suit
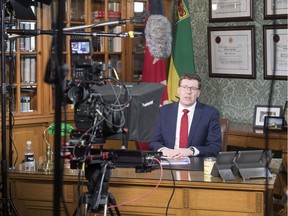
column 204, row 137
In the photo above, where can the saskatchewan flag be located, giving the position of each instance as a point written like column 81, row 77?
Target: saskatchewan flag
column 182, row 57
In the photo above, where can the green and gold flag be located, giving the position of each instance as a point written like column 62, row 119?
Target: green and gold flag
column 182, row 57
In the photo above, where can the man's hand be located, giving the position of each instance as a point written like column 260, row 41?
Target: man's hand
column 170, row 153
column 184, row 152
column 173, row 153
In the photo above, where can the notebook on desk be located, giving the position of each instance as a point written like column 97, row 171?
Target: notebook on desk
column 175, row 161
column 196, row 164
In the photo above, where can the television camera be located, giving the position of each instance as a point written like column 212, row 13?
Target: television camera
column 97, row 116
column 93, row 114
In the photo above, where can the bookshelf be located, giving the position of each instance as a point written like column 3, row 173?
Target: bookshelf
column 105, row 50
column 108, row 50
column 22, row 72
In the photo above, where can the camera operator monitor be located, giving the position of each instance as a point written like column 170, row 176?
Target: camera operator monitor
column 142, row 111
column 80, row 47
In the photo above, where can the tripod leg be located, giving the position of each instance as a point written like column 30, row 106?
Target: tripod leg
column 112, row 200
column 75, row 213
column 86, row 209
column 83, row 205
column 105, row 209
column 12, row 207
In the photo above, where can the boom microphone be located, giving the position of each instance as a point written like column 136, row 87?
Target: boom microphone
column 158, row 31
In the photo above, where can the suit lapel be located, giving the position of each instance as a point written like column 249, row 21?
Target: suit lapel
column 173, row 118
column 196, row 119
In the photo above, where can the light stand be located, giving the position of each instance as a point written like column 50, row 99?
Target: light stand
column 12, row 72
column 58, row 81
column 4, row 167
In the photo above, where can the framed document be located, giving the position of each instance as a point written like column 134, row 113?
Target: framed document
column 275, row 9
column 261, row 111
column 230, row 10
column 231, row 52
column 275, row 52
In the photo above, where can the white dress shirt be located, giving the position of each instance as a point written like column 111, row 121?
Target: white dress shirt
column 190, row 118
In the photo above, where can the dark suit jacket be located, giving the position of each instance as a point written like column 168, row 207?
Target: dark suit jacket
column 205, row 131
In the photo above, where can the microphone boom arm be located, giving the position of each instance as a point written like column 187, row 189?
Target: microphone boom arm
column 16, row 33
column 35, row 32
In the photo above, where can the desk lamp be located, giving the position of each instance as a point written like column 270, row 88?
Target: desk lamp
column 48, row 164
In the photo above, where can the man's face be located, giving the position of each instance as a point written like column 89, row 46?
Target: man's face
column 188, row 92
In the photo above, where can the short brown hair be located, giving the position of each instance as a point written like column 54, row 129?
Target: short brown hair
column 190, row 76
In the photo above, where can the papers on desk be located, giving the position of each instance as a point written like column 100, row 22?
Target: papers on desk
column 175, row 161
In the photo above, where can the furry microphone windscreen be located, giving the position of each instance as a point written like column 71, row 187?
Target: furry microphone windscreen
column 158, row 31
column 158, row 36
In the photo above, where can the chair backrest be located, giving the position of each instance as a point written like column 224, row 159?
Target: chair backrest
column 224, row 124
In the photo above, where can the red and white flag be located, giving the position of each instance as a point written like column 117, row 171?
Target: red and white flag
column 155, row 71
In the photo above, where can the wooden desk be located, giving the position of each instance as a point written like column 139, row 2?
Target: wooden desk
column 197, row 195
column 244, row 135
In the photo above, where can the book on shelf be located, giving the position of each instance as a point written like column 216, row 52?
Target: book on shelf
column 27, row 44
column 101, row 15
column 28, row 69
column 117, row 40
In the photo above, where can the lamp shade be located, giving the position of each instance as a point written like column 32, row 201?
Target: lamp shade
column 65, row 127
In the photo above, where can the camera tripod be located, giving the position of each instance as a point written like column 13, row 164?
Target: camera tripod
column 97, row 198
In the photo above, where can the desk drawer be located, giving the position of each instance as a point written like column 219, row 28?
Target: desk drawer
column 227, row 201
column 38, row 191
column 234, row 140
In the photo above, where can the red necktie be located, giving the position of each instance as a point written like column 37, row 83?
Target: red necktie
column 184, row 130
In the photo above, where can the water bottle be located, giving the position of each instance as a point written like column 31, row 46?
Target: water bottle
column 29, row 161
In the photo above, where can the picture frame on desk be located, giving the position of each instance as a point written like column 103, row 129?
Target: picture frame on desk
column 230, row 10
column 279, row 11
column 275, row 52
column 273, row 123
column 231, row 52
column 261, row 111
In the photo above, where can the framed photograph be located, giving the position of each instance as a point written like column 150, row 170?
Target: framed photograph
column 275, row 9
column 275, row 52
column 261, row 111
column 230, row 10
column 231, row 52
column 273, row 123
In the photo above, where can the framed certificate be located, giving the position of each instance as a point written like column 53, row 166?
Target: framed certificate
column 275, row 52
column 230, row 10
column 275, row 9
column 231, row 52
